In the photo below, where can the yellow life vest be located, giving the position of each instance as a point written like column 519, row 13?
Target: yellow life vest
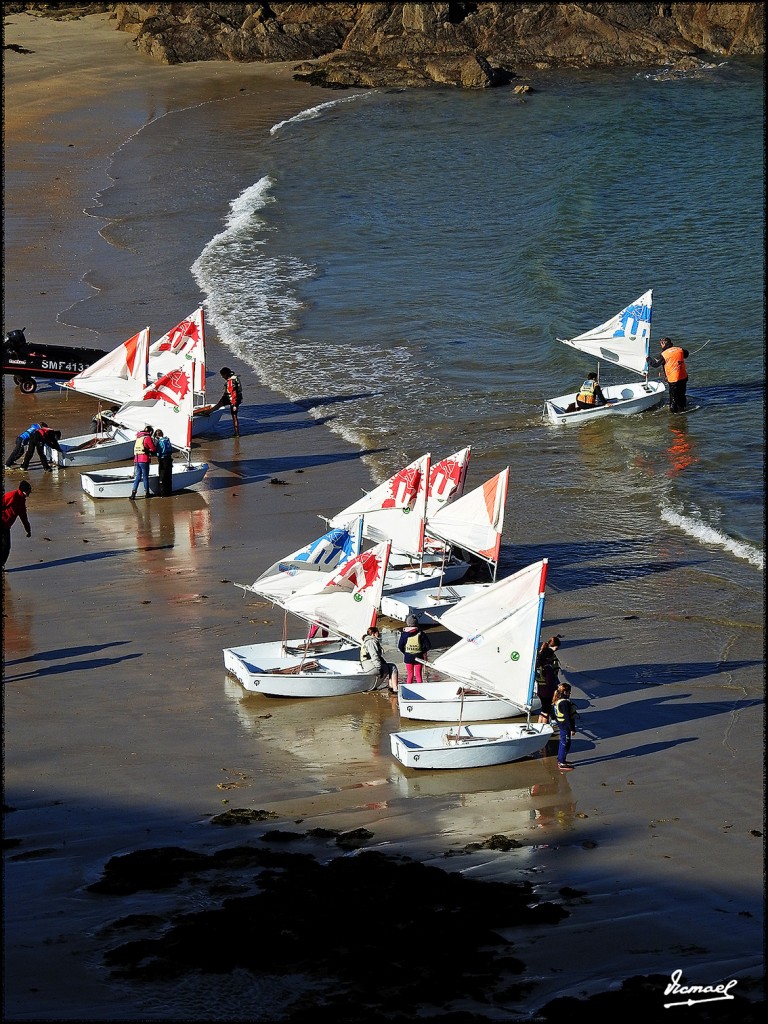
column 138, row 448
column 587, row 392
column 413, row 644
column 563, row 714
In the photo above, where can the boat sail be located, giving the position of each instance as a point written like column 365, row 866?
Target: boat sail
column 120, row 376
column 499, row 659
column 442, row 701
column 325, row 554
column 345, row 603
column 625, row 341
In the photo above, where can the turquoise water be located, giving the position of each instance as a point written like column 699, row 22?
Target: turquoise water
column 403, row 262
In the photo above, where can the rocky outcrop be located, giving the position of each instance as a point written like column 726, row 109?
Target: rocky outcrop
column 466, row 45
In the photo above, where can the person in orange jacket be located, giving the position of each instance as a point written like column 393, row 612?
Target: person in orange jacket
column 673, row 358
column 232, row 397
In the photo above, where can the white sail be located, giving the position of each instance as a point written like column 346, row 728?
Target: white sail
column 624, row 339
column 475, row 521
column 446, row 480
column 183, row 343
column 499, row 659
column 348, row 602
column 119, row 376
column 395, row 510
column 492, row 602
column 166, row 405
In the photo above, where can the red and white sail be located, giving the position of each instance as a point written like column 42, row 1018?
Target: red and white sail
column 395, row 510
column 119, row 376
column 346, row 601
column 475, row 521
column 184, row 343
column 446, row 480
column 166, row 405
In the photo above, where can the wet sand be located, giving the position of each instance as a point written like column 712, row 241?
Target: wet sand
column 122, row 732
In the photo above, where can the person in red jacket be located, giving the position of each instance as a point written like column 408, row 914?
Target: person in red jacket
column 15, row 507
column 143, row 450
column 233, row 396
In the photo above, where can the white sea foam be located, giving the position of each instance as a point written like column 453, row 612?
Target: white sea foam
column 313, row 112
column 695, row 527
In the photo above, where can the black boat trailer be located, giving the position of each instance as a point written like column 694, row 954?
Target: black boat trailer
column 27, row 362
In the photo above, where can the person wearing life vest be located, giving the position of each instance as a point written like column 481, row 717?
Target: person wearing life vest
column 590, row 394
column 21, row 442
column 164, row 450
column 673, row 358
column 232, row 397
column 547, row 672
column 414, row 645
column 143, row 450
column 372, row 656
column 565, row 716
column 43, row 438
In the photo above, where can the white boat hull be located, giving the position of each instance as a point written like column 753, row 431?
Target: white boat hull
column 425, row 602
column 412, row 577
column 261, row 669
column 626, row 400
column 477, row 746
column 438, row 702
column 204, row 423
column 118, row 483
column 102, row 448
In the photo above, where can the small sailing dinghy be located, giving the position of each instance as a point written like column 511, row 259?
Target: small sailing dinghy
column 444, row 701
column 166, row 405
column 624, row 340
column 498, row 659
column 346, row 604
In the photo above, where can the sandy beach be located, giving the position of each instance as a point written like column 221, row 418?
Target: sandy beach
column 121, row 731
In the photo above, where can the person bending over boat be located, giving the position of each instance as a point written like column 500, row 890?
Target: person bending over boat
column 673, row 358
column 22, row 441
column 372, row 653
column 42, row 437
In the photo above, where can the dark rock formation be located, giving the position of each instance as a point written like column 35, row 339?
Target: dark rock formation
column 466, row 45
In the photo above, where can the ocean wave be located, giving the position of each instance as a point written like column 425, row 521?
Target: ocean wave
column 695, row 527
column 312, row 112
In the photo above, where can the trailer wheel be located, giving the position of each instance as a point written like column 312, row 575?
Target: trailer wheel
column 28, row 387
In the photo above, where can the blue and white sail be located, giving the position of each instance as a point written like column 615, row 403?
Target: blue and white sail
column 624, row 339
column 327, row 553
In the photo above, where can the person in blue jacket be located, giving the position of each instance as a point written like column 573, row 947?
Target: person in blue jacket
column 21, row 443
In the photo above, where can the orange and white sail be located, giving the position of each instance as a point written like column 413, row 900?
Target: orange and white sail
column 475, row 521
column 491, row 603
column 119, row 376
